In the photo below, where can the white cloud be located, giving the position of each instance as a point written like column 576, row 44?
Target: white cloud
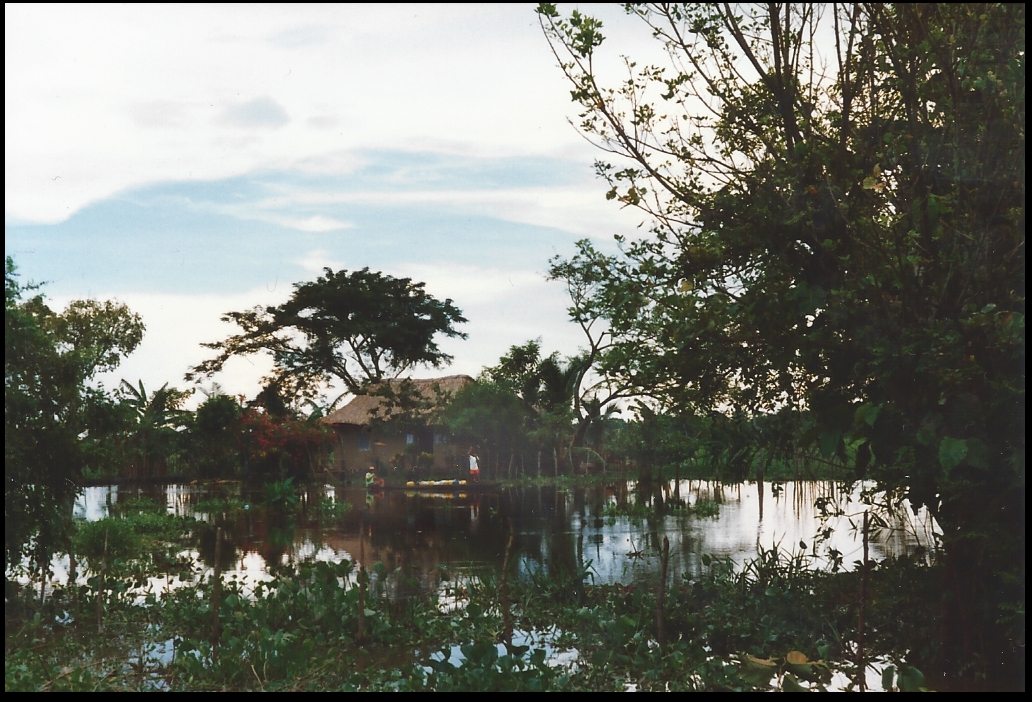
column 105, row 98
column 161, row 114
column 263, row 112
column 315, row 224
column 324, row 121
column 315, row 261
column 578, row 209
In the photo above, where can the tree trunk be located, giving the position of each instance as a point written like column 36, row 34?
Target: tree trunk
column 578, row 439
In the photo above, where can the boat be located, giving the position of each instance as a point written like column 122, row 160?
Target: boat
column 435, row 483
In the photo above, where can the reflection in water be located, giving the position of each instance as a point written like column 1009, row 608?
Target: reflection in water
column 422, row 536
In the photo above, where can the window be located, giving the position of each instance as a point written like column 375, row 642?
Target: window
column 410, row 439
column 362, row 440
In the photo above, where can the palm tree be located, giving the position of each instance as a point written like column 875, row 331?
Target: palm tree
column 157, row 417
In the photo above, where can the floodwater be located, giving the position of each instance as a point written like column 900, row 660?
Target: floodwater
column 430, row 537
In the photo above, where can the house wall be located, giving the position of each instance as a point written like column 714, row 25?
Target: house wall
column 358, row 447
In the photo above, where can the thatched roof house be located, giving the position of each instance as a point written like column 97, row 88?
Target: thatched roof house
column 363, row 408
column 361, row 441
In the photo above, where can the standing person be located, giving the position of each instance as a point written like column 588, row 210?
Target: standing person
column 474, row 465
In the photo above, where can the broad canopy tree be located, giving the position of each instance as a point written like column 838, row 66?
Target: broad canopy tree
column 837, row 195
column 359, row 328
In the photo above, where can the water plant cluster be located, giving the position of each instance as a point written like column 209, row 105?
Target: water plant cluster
column 150, row 615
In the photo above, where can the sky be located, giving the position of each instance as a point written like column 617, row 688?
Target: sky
column 192, row 160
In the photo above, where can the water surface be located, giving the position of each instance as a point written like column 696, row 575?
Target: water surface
column 430, row 536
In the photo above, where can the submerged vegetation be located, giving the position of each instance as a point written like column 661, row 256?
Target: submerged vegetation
column 146, row 615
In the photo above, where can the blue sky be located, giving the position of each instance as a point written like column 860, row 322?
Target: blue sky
column 193, row 160
column 272, row 227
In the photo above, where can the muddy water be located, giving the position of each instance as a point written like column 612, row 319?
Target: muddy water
column 425, row 536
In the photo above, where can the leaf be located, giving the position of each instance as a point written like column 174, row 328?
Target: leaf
column 867, row 413
column 863, row 459
column 829, row 441
column 757, row 671
column 910, row 679
column 790, row 684
column 517, row 651
column 886, row 678
column 796, row 658
column 926, row 434
column 977, row 454
column 951, row 452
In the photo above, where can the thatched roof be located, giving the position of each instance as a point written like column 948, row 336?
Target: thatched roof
column 362, row 407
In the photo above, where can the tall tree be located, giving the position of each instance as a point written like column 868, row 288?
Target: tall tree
column 359, row 328
column 48, row 360
column 838, row 197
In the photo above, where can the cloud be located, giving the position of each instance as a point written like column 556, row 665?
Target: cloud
column 442, row 78
column 159, row 113
column 577, row 209
column 323, row 121
column 260, row 112
column 300, row 37
column 315, row 261
column 316, row 224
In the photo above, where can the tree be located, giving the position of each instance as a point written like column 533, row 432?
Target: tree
column 216, row 436
column 359, row 328
column 621, row 327
column 838, row 196
column 550, row 391
column 491, row 415
column 153, row 434
column 48, row 360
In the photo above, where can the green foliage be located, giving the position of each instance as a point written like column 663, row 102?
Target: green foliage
column 775, row 622
column 642, row 510
column 140, row 539
column 216, row 435
column 281, row 494
column 838, row 229
column 113, row 537
column 217, row 416
column 489, row 413
column 152, row 437
column 359, row 328
column 528, row 403
column 49, row 412
column 331, row 510
column 483, row 669
column 907, row 679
